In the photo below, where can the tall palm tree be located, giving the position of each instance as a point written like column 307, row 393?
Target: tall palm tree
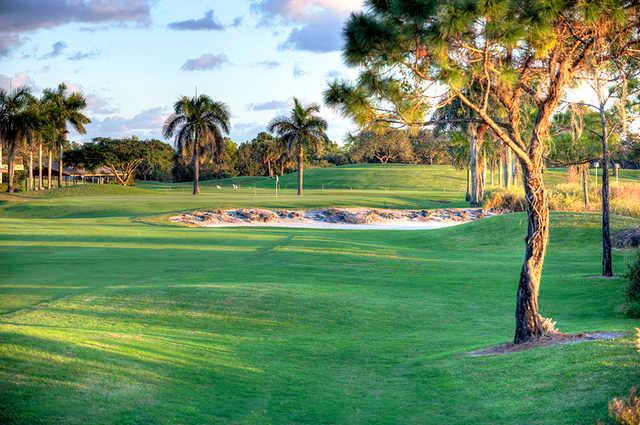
column 65, row 109
column 14, row 124
column 38, row 117
column 197, row 125
column 302, row 129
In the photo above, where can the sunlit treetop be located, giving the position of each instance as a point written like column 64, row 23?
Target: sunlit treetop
column 503, row 53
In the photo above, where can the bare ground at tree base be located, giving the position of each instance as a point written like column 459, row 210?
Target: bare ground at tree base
column 546, row 341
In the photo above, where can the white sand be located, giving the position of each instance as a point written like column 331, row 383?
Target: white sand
column 334, row 218
column 311, row 224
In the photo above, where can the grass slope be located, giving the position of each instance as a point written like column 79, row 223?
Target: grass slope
column 108, row 319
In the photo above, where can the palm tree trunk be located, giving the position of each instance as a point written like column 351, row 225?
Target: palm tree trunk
column 50, row 154
column 11, row 159
column 500, row 171
column 31, row 182
column 1, row 169
column 60, row 167
column 300, row 170
column 40, row 167
column 196, row 169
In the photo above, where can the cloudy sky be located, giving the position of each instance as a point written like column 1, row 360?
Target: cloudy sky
column 133, row 58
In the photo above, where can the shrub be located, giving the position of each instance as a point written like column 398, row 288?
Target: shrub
column 626, row 411
column 505, row 200
column 633, row 288
column 569, row 197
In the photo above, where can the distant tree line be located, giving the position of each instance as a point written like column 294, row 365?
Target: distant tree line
column 265, row 155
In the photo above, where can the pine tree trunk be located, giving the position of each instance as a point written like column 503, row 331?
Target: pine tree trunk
column 506, row 167
column 584, row 176
column 607, row 265
column 529, row 323
column 60, row 167
column 473, row 166
column 468, row 194
column 49, row 185
column 491, row 172
column 196, row 169
column 484, row 173
column 300, row 170
column 476, row 136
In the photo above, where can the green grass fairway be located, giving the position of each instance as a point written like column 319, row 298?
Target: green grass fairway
column 111, row 315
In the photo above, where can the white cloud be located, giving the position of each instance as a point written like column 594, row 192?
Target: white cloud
column 19, row 79
column 318, row 22
column 30, row 15
column 271, row 105
column 57, row 49
column 245, row 131
column 8, row 42
column 298, row 71
column 205, row 62
column 302, row 10
column 146, row 124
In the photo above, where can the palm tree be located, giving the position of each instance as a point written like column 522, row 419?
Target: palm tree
column 14, row 124
column 52, row 141
column 65, row 109
column 302, row 129
column 197, row 125
column 38, row 118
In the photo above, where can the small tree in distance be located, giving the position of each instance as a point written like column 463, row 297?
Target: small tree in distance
column 391, row 145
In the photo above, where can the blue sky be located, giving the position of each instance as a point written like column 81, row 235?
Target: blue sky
column 134, row 58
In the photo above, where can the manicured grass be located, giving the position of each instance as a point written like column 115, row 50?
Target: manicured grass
column 108, row 316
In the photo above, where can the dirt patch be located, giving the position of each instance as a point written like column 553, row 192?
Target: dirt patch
column 364, row 218
column 628, row 238
column 547, row 341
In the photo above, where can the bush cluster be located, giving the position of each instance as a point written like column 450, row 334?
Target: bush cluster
column 569, row 197
column 633, row 288
column 625, row 411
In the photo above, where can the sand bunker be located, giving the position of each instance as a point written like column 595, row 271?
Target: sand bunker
column 334, row 218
